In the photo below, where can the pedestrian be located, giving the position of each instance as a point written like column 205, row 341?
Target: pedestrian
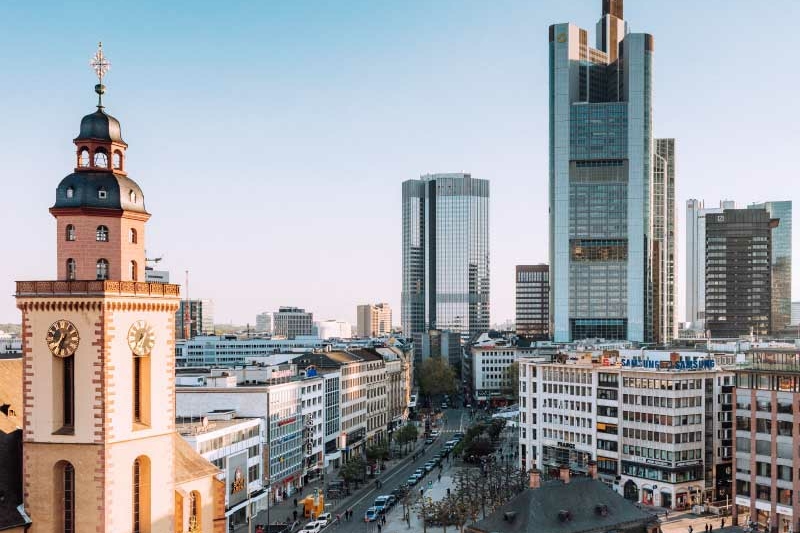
column 338, row 518
column 666, row 514
column 379, row 528
column 295, row 514
column 722, row 524
column 440, row 476
column 691, row 529
column 295, row 502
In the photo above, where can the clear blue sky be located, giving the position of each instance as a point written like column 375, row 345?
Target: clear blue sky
column 271, row 138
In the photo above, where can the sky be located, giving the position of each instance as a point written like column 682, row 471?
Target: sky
column 271, row 138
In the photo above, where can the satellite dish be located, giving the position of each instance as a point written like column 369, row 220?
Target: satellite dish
column 205, row 422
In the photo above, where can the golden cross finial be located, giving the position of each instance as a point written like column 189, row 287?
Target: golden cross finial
column 100, row 65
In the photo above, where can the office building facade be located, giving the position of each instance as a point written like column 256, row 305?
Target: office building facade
column 665, row 326
column 264, row 323
column 533, row 301
column 193, row 318
column 738, row 272
column 445, row 254
column 604, row 276
column 373, row 320
column 291, row 322
column 781, row 263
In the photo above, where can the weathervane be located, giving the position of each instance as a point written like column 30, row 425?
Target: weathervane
column 100, row 65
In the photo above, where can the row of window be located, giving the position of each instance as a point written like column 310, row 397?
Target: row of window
column 101, row 269
column 100, row 158
column 100, row 235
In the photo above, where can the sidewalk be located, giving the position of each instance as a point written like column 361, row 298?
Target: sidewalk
column 279, row 512
column 438, row 491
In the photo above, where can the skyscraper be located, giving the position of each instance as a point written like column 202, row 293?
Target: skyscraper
column 696, row 259
column 781, row 263
column 533, row 301
column 738, row 272
column 605, row 243
column 445, row 254
column 373, row 320
column 665, row 328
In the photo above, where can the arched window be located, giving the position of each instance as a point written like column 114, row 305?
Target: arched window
column 101, row 158
column 70, row 191
column 195, row 522
column 133, row 236
column 134, row 271
column 70, row 232
column 102, row 234
column 83, row 157
column 141, row 391
column 141, row 495
column 102, row 269
column 72, row 269
column 65, row 497
column 116, row 160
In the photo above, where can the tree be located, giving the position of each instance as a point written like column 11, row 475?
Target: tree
column 376, row 452
column 512, row 373
column 406, row 434
column 436, row 377
column 353, row 470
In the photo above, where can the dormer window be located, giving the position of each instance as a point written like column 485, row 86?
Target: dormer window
column 70, row 191
column 102, row 234
column 102, row 193
column 133, row 196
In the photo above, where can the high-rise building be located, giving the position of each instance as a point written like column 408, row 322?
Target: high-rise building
column 604, row 250
column 533, row 301
column 198, row 321
column 333, row 329
column 264, row 323
column 373, row 320
column 291, row 322
column 781, row 263
column 696, row 259
column 738, row 272
column 445, row 254
column 665, row 327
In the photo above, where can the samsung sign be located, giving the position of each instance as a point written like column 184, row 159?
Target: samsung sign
column 703, row 364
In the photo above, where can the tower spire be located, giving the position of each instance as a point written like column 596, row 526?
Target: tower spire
column 100, row 65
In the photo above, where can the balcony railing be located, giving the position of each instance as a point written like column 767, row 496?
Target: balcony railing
column 96, row 288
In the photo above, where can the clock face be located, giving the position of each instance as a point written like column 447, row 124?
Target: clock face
column 62, row 338
column 141, row 338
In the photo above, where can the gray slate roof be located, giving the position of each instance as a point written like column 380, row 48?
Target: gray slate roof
column 537, row 510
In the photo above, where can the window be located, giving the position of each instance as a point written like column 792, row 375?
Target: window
column 132, row 196
column 133, row 236
column 100, row 158
column 65, row 476
column 116, row 160
column 64, row 394
column 101, row 193
column 194, row 512
column 102, row 269
column 70, row 232
column 101, row 235
column 71, row 269
column 83, row 157
column 134, row 271
column 141, row 495
column 70, row 191
column 141, row 390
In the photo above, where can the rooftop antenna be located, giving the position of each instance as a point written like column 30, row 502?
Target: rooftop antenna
column 100, row 64
column 187, row 321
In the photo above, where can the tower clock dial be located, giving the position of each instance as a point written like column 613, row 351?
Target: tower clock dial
column 141, row 338
column 62, row 338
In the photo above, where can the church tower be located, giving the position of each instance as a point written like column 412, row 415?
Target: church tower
column 99, row 442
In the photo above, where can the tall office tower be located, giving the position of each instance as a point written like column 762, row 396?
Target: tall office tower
column 198, row 321
column 738, row 272
column 665, row 328
column 373, row 320
column 445, row 254
column 781, row 263
column 264, row 323
column 533, row 301
column 601, row 182
column 291, row 322
column 696, row 259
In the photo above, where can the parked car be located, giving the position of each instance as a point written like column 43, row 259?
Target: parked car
column 458, row 435
column 392, row 500
column 371, row 515
column 314, row 527
column 430, row 465
column 412, row 480
column 381, row 503
column 429, row 440
column 419, row 472
column 325, row 518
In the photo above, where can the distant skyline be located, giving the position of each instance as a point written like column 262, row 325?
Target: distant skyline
column 271, row 140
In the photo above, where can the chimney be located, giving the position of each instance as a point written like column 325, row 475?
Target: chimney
column 593, row 469
column 563, row 473
column 534, row 478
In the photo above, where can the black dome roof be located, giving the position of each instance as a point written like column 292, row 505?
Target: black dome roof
column 86, row 187
column 101, row 127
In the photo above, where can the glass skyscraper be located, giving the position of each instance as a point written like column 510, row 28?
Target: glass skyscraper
column 445, row 254
column 611, row 258
column 781, row 263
